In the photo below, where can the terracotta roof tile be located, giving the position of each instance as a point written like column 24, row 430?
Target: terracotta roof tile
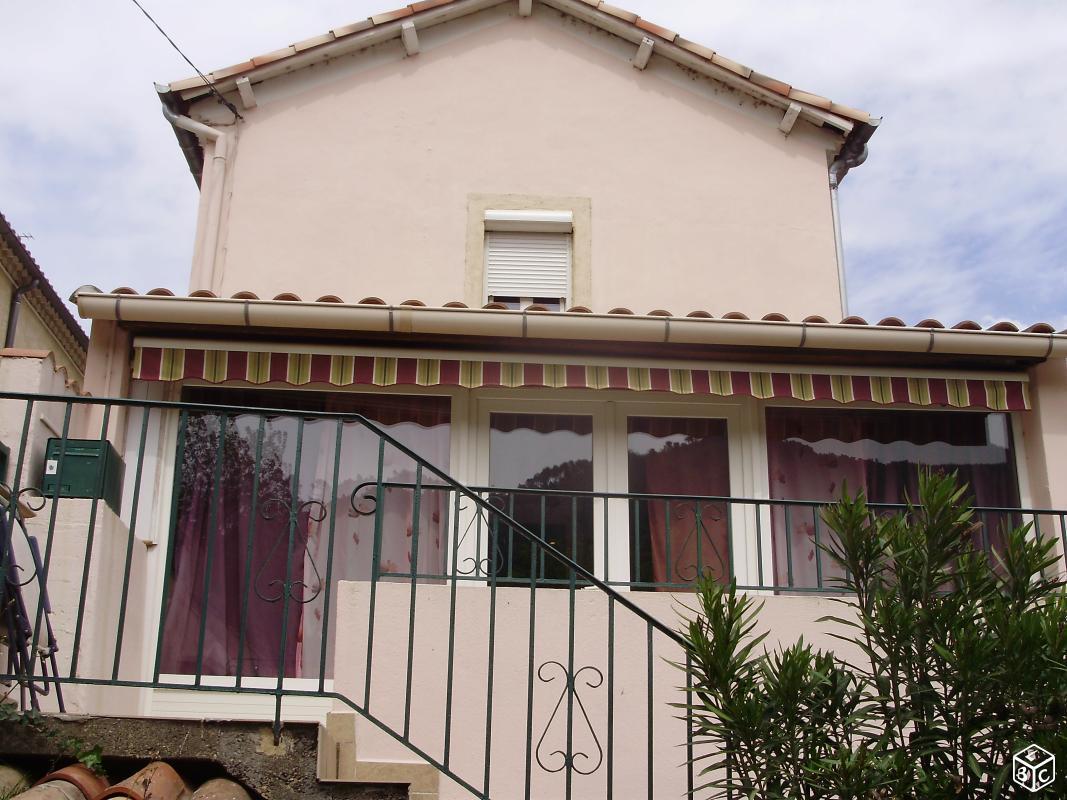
column 274, row 55
column 731, row 65
column 656, row 30
column 426, row 5
column 233, row 69
column 816, row 100
column 391, row 16
column 707, row 53
column 314, row 41
column 621, row 13
column 354, row 27
column 848, row 111
column 694, row 47
column 767, row 82
column 1041, row 328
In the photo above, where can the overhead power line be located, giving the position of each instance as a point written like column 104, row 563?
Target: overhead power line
column 203, row 77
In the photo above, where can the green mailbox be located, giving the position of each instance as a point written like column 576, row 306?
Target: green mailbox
column 90, row 468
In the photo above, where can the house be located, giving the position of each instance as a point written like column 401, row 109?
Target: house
column 506, row 321
column 43, row 351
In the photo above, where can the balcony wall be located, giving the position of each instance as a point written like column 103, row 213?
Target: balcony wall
column 784, row 618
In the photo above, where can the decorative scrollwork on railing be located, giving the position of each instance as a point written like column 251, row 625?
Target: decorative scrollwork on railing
column 708, row 511
column 479, row 565
column 363, row 503
column 307, row 511
column 567, row 756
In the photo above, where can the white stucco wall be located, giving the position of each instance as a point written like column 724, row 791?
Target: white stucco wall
column 355, row 178
column 785, row 617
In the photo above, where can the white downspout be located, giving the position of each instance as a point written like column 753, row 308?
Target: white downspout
column 204, row 257
column 835, row 210
column 842, row 165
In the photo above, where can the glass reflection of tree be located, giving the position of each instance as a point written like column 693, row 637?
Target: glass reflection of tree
column 563, row 522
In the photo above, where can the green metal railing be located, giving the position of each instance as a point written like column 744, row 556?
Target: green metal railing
column 752, row 541
column 220, row 446
column 555, row 668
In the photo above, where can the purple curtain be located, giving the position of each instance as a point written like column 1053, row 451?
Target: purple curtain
column 218, row 605
column 814, row 453
column 688, row 457
column 251, row 543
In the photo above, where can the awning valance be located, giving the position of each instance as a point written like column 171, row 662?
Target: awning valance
column 297, row 369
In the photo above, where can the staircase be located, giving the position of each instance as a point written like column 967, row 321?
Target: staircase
column 508, row 670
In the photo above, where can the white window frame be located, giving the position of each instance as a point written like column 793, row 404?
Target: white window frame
column 155, row 516
column 610, row 469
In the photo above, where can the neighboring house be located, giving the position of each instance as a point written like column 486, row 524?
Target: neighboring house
column 568, row 258
column 43, row 349
column 32, row 315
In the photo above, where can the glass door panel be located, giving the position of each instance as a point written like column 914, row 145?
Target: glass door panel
column 543, row 458
column 675, row 540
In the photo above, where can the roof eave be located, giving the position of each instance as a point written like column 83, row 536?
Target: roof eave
column 800, row 337
column 187, row 141
column 380, row 28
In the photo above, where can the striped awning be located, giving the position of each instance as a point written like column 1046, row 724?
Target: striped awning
column 298, row 369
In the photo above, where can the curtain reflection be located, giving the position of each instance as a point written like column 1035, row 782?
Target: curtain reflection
column 674, row 542
column 814, row 453
column 270, row 515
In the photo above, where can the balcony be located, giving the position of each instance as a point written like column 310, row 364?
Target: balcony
column 275, row 564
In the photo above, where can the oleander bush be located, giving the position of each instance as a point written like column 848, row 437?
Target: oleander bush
column 964, row 662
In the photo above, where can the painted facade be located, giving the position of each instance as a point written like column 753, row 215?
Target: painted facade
column 343, row 243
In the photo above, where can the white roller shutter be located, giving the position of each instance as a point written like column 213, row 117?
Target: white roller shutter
column 520, row 264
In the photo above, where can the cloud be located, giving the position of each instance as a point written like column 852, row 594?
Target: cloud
column 959, row 213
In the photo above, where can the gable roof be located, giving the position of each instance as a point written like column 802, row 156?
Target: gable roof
column 17, row 262
column 854, row 124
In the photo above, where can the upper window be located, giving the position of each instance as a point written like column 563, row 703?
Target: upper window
column 528, row 258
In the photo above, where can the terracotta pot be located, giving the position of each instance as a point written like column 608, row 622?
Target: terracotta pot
column 157, row 781
column 221, row 789
column 87, row 784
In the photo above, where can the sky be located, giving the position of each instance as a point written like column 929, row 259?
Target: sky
column 959, row 213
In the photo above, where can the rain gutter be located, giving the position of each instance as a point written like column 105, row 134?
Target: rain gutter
column 543, row 325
